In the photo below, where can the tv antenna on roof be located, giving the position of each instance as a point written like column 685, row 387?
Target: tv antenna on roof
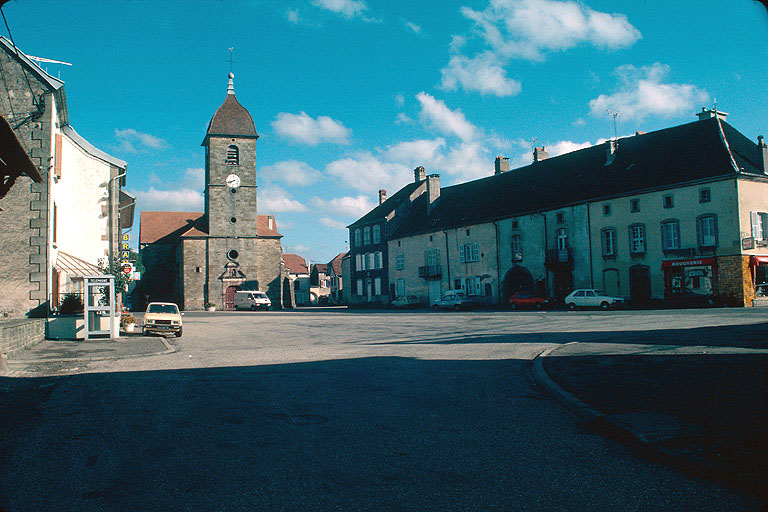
column 40, row 60
column 614, row 115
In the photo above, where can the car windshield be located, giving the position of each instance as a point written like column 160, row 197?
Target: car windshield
column 260, row 295
column 162, row 308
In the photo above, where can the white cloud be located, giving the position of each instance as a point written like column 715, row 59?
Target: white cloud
column 275, row 199
column 642, row 93
column 483, row 73
column 416, row 28
column 292, row 15
column 332, row 223
column 365, row 172
column 400, row 100
column 290, row 172
column 178, row 200
column 193, row 178
column 346, row 8
column 403, row 119
column 529, row 28
column 345, row 206
column 437, row 115
column 306, row 130
column 298, row 248
column 416, row 152
column 132, row 141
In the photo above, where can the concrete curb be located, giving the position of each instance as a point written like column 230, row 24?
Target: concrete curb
column 169, row 349
column 623, row 432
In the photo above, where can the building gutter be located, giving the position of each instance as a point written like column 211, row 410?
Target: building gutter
column 447, row 259
column 498, row 262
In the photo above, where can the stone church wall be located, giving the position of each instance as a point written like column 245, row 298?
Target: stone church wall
column 194, row 268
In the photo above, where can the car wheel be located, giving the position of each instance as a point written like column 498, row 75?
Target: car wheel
column 253, row 308
column 237, row 308
column 144, row 332
column 571, row 306
column 435, row 307
column 538, row 305
column 456, row 307
column 513, row 306
column 604, row 305
column 178, row 333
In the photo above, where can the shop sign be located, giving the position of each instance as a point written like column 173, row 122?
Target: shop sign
column 687, row 263
column 747, row 243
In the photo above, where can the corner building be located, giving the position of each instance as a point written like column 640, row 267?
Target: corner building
column 228, row 247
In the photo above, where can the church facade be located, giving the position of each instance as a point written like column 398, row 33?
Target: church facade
column 200, row 258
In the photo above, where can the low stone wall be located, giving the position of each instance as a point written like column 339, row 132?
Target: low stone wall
column 18, row 334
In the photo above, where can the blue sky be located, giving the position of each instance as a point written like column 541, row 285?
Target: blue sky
column 350, row 95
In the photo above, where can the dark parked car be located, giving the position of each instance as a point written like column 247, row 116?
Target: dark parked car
column 528, row 300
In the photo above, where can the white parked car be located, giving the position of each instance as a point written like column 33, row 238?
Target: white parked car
column 162, row 318
column 590, row 298
column 251, row 299
column 454, row 301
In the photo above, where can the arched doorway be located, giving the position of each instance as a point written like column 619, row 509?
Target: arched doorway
column 517, row 279
column 229, row 297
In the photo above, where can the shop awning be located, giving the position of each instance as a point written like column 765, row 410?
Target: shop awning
column 74, row 266
column 687, row 263
column 127, row 206
column 757, row 260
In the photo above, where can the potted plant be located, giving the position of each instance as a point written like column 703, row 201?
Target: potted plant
column 210, row 306
column 128, row 323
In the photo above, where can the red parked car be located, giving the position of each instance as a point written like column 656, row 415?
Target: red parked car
column 527, row 300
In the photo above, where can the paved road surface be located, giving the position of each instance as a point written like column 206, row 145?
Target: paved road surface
column 339, row 411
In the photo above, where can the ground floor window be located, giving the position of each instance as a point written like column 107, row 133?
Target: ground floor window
column 359, row 286
column 400, row 289
column 691, row 278
column 377, row 286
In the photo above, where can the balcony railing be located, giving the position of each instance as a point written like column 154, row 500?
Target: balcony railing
column 559, row 257
column 431, row 271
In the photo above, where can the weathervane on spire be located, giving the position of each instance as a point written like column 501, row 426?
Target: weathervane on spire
column 231, row 61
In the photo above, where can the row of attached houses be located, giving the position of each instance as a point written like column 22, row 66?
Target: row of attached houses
column 678, row 215
column 58, row 224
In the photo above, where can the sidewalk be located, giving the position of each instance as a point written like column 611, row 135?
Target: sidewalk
column 700, row 408
column 63, row 355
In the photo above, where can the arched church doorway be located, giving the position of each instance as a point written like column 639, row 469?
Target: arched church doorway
column 229, row 297
column 517, row 279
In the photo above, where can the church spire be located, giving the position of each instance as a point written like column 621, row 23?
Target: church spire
column 231, row 84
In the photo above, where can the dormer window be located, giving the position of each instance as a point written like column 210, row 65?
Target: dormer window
column 233, row 155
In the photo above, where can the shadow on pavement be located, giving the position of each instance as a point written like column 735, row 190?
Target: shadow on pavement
column 706, row 408
column 385, row 433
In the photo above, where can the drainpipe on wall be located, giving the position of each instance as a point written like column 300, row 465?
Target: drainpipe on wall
column 546, row 248
column 447, row 260
column 589, row 240
column 498, row 264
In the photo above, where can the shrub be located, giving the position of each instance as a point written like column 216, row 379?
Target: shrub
column 71, row 303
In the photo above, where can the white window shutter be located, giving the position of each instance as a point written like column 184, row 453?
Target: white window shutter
column 757, row 227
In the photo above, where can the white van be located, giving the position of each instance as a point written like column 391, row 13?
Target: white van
column 252, row 299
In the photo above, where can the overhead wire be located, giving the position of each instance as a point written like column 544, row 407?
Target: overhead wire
column 35, row 102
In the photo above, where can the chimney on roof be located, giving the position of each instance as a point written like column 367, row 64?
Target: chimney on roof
column 433, row 191
column 611, row 147
column 540, row 154
column 502, row 164
column 709, row 114
column 271, row 222
column 763, row 152
column 419, row 174
column 382, row 195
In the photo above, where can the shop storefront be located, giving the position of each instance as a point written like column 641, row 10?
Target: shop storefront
column 758, row 267
column 690, row 282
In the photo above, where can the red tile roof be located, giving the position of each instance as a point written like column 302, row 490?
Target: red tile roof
column 295, row 263
column 167, row 227
column 335, row 263
column 155, row 226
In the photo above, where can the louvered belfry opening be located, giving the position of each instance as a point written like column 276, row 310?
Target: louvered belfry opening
column 233, row 155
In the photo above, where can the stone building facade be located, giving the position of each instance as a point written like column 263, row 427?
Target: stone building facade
column 198, row 258
column 678, row 216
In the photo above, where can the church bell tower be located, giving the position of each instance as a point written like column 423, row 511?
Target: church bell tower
column 230, row 170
